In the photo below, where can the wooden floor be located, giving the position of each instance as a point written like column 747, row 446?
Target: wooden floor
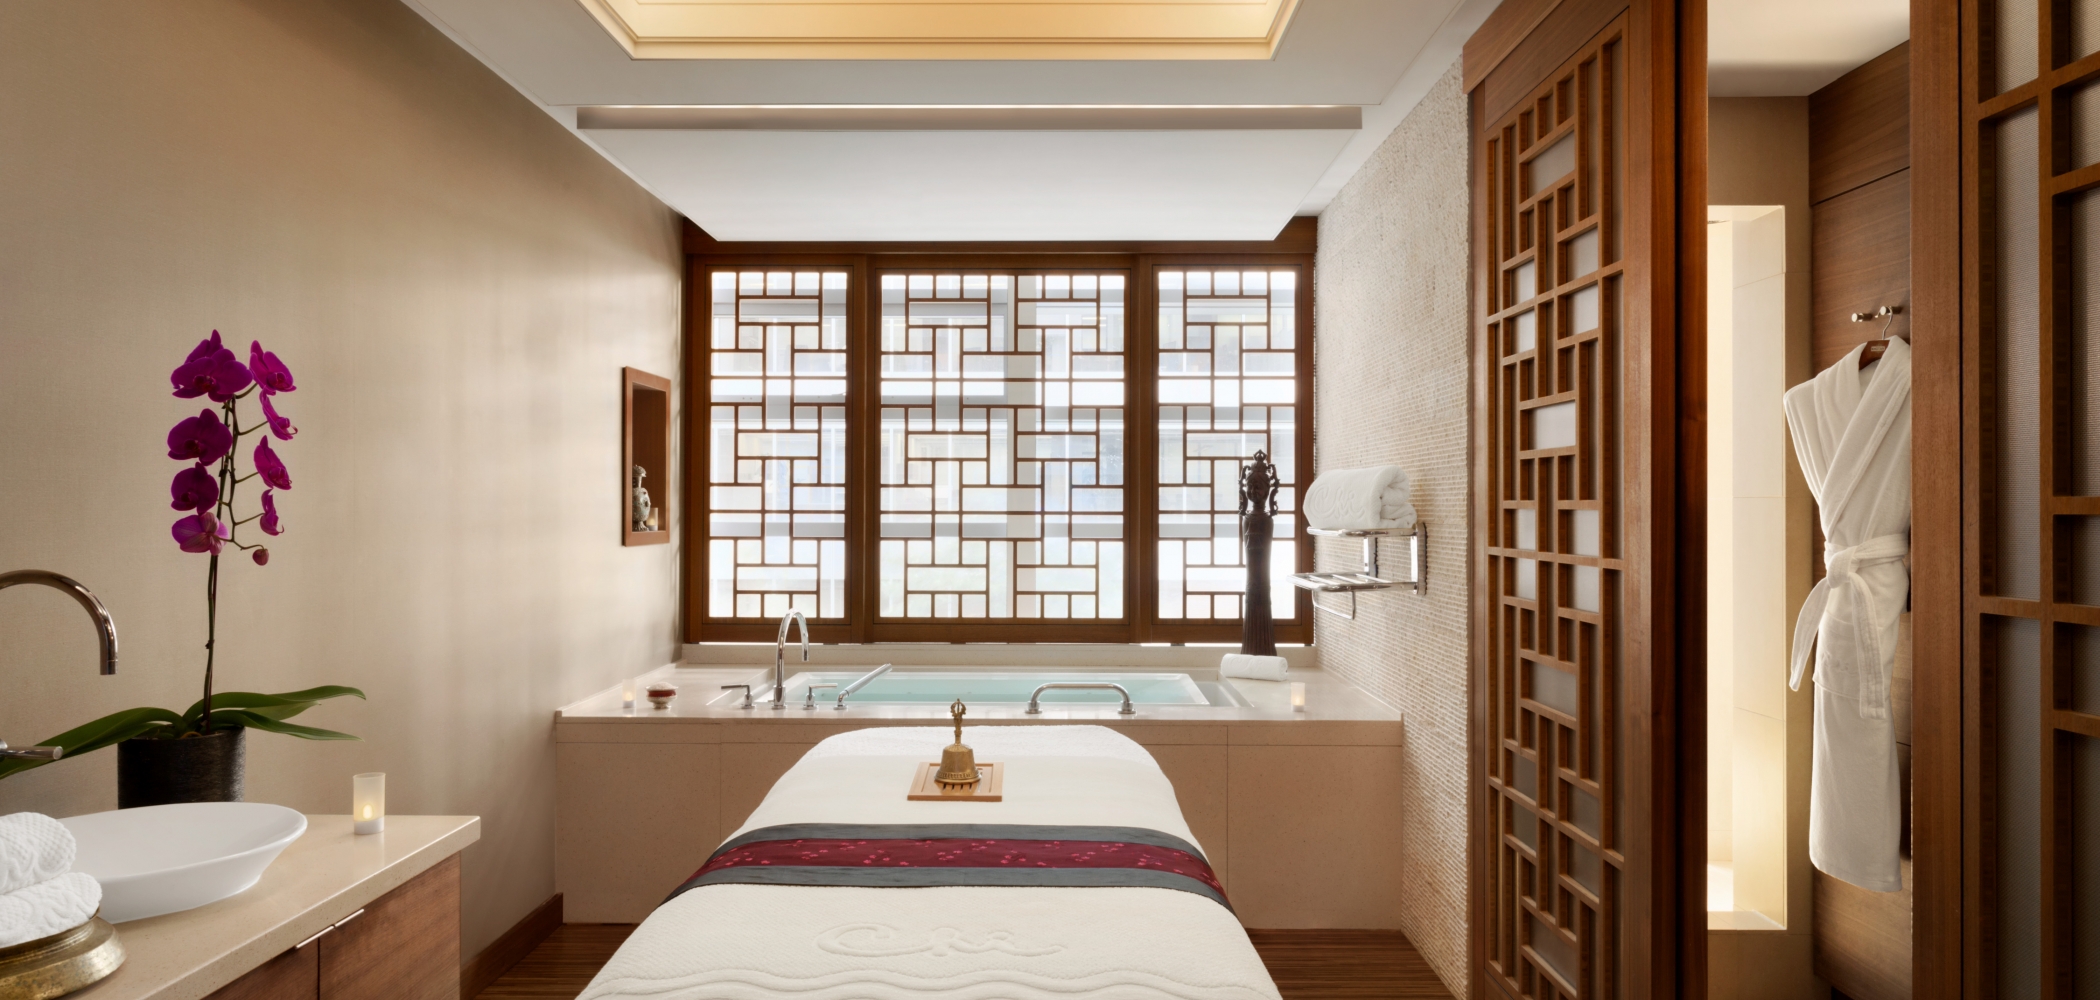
column 1307, row 965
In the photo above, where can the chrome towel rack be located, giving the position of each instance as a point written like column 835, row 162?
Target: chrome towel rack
column 1369, row 579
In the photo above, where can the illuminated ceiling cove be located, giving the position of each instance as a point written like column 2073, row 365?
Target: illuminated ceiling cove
column 944, row 29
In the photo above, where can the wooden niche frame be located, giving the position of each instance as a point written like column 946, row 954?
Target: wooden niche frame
column 645, row 440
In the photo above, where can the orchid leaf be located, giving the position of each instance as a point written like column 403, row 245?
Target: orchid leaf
column 106, row 731
column 251, row 700
column 255, row 721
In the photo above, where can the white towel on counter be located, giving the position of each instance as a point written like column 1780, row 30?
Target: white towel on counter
column 1357, row 498
column 33, row 848
column 1254, row 668
column 48, row 907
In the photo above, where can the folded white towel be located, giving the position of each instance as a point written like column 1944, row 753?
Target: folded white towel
column 1355, row 498
column 1254, row 668
column 33, row 848
column 48, row 907
column 1401, row 517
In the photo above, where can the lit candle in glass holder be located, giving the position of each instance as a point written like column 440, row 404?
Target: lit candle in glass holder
column 1297, row 696
column 627, row 694
column 368, row 801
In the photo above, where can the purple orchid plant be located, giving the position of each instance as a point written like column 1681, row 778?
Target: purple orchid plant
column 210, row 438
column 204, row 490
column 213, row 439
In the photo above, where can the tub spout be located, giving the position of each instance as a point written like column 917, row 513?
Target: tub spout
column 105, row 626
column 793, row 618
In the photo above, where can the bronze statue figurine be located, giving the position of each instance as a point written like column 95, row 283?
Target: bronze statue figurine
column 1258, row 485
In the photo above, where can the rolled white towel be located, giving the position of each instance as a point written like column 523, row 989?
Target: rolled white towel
column 1354, row 498
column 48, row 907
column 1254, row 668
column 33, row 848
column 1401, row 517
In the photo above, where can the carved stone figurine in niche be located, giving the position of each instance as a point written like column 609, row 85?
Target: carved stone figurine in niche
column 1257, row 528
column 640, row 513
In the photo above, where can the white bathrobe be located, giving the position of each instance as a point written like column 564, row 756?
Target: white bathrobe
column 1852, row 433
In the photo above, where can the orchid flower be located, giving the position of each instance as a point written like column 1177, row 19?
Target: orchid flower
column 211, row 370
column 280, row 426
column 201, row 532
column 270, row 523
column 204, row 438
column 270, row 467
column 269, row 372
column 194, row 488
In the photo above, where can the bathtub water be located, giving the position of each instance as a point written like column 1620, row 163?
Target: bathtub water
column 939, row 687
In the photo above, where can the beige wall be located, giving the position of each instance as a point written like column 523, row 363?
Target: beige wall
column 454, row 279
column 1392, row 279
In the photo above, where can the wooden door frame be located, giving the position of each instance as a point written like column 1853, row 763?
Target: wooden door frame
column 1665, row 446
column 1937, row 649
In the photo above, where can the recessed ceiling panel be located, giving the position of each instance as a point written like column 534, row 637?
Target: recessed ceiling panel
column 1184, row 185
column 944, row 29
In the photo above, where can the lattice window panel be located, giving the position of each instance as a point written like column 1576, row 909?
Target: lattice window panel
column 2031, row 690
column 1229, row 367
column 776, row 444
column 1002, row 445
column 1553, row 341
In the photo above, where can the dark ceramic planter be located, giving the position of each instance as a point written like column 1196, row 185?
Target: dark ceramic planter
column 196, row 769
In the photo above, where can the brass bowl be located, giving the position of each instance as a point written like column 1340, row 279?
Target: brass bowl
column 57, row 965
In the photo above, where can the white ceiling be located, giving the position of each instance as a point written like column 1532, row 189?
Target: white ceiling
column 1382, row 55
column 1789, row 48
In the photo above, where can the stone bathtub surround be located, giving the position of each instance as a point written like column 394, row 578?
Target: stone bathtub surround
column 1293, row 808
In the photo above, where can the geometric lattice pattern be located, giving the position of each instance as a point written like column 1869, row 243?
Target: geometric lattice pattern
column 1228, row 387
column 1554, row 770
column 2032, row 443
column 776, row 425
column 1002, row 445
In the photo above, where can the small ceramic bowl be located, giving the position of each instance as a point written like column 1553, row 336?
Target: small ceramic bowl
column 661, row 695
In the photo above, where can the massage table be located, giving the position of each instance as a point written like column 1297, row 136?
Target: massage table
column 1084, row 882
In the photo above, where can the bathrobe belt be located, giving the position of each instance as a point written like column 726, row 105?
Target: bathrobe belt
column 1864, row 654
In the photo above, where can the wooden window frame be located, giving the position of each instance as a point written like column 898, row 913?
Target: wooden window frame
column 864, row 262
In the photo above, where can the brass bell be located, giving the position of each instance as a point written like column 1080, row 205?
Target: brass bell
column 958, row 762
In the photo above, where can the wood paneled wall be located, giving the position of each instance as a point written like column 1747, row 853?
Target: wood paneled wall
column 1859, row 189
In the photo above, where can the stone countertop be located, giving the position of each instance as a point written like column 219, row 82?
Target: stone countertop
column 1328, row 698
column 323, row 877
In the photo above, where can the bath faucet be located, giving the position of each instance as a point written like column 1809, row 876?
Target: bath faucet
column 793, row 617
column 105, row 626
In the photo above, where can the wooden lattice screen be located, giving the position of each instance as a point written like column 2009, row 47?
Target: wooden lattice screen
column 2031, row 130
column 1555, row 774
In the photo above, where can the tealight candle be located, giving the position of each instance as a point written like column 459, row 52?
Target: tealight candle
column 627, row 694
column 368, row 801
column 1297, row 696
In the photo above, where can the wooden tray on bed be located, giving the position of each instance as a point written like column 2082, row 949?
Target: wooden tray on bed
column 990, row 777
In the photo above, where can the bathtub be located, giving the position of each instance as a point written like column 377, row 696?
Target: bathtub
column 1000, row 687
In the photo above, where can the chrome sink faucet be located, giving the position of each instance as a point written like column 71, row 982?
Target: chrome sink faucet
column 105, row 631
column 793, row 617
column 105, row 626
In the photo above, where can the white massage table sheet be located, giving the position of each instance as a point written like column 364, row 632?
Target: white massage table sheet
column 760, row 942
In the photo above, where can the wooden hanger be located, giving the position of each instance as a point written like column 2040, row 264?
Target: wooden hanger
column 1876, row 348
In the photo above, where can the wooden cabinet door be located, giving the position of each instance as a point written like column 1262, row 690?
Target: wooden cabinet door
column 293, row 975
column 405, row 946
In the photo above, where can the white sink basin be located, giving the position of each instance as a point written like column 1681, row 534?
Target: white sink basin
column 166, row 859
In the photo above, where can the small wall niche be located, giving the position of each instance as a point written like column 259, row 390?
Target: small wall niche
column 646, row 443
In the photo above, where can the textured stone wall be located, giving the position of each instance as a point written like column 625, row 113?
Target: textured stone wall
column 1392, row 383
